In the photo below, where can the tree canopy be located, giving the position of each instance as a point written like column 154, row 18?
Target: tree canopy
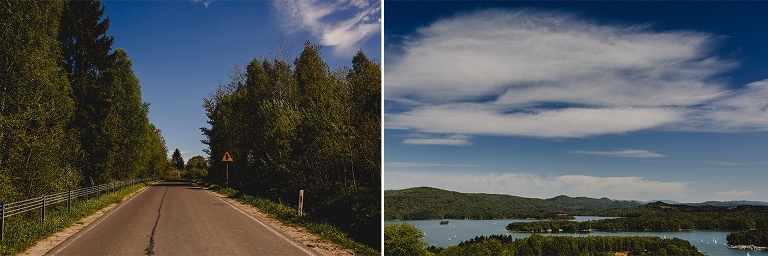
column 659, row 216
column 302, row 126
column 71, row 112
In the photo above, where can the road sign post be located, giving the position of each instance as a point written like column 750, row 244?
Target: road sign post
column 301, row 202
column 226, row 160
column 2, row 220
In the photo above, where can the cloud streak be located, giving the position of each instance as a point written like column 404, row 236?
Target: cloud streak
column 479, row 119
column 421, row 165
column 531, row 185
column 735, row 194
column 556, row 75
column 630, row 153
column 341, row 24
column 450, row 140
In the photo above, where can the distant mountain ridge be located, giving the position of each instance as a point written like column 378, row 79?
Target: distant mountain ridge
column 713, row 203
column 434, row 203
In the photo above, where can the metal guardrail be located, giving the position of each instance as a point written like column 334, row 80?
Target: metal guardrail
column 19, row 207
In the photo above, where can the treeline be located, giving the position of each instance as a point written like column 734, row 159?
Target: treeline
column 568, row 245
column 663, row 217
column 750, row 237
column 71, row 112
column 405, row 239
column 302, row 126
column 423, row 203
column 551, row 226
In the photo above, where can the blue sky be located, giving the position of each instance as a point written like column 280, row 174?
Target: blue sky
column 626, row 100
column 182, row 50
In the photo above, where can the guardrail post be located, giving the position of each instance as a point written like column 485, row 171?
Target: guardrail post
column 86, row 193
column 43, row 210
column 69, row 200
column 2, row 219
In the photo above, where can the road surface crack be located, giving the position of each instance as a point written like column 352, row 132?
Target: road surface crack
column 151, row 246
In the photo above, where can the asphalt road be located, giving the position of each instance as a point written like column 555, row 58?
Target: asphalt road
column 177, row 218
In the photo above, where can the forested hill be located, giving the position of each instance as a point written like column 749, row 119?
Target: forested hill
column 433, row 203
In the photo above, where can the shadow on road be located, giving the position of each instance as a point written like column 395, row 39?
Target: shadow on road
column 175, row 184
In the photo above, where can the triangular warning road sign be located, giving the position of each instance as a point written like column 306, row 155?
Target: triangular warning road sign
column 227, row 158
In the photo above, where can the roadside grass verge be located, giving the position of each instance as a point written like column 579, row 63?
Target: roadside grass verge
column 289, row 216
column 25, row 230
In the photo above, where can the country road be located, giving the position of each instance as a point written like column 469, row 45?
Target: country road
column 177, row 218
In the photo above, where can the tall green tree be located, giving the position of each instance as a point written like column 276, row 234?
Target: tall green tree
column 177, row 160
column 126, row 124
column 197, row 162
column 85, row 48
column 365, row 83
column 35, row 102
column 158, row 164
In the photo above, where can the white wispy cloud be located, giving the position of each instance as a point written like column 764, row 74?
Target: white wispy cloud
column 631, row 153
column 450, row 140
column 745, row 109
column 341, row 24
column 206, row 3
column 481, row 119
column 727, row 163
column 420, row 165
column 498, row 72
column 532, row 185
column 735, row 194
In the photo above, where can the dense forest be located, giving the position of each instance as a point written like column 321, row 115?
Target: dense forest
column 568, row 245
column 406, row 240
column 749, row 237
column 302, row 126
column 71, row 112
column 431, row 203
column 662, row 217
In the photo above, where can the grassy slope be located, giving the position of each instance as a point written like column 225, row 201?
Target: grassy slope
column 288, row 215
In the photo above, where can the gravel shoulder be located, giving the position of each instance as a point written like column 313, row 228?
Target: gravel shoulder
column 298, row 234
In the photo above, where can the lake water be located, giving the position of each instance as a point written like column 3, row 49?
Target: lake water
column 457, row 231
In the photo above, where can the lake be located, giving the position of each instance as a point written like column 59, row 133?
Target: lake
column 461, row 230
